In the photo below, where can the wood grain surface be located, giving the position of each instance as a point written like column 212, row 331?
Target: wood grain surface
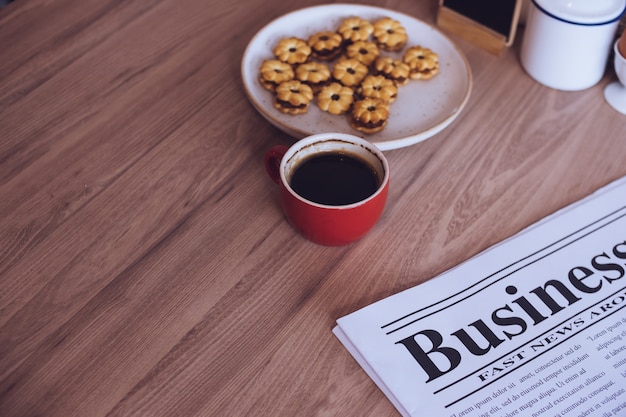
column 146, row 268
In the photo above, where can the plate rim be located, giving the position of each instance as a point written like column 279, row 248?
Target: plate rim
column 384, row 145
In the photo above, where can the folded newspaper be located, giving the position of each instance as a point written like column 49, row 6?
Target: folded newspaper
column 534, row 326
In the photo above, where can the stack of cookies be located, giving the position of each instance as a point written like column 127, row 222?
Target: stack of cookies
column 346, row 71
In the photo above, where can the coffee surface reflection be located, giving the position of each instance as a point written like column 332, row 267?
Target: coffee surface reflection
column 334, row 179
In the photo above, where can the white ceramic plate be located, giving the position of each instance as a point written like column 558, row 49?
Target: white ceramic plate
column 423, row 107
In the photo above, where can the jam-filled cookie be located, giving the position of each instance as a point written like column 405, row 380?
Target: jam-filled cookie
column 379, row 87
column 274, row 72
column 389, row 34
column 394, row 69
column 423, row 62
column 364, row 51
column 326, row 45
column 293, row 97
column 354, row 29
column 335, row 98
column 313, row 74
column 369, row 115
column 349, row 72
column 292, row 50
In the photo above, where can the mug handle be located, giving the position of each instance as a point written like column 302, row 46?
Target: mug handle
column 272, row 161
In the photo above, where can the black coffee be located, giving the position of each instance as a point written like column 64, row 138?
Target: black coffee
column 334, row 179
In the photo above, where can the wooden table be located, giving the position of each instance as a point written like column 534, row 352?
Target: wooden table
column 146, row 268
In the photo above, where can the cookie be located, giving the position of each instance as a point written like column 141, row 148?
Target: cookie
column 369, row 115
column 313, row 74
column 293, row 97
column 354, row 29
column 335, row 98
column 394, row 69
column 379, row 87
column 274, row 72
column 326, row 45
column 423, row 62
column 389, row 34
column 349, row 72
column 365, row 52
column 292, row 51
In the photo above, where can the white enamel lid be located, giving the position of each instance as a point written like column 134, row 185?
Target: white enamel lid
column 583, row 12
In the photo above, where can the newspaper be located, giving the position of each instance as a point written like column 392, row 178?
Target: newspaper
column 534, row 326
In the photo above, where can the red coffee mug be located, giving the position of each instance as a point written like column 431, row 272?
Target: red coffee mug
column 331, row 225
